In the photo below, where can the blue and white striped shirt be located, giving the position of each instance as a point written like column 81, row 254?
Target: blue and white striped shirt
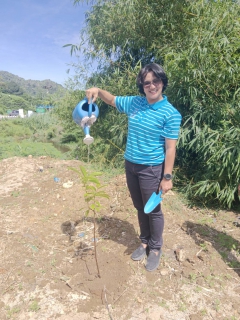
column 148, row 126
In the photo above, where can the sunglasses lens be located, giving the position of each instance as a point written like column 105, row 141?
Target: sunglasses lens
column 146, row 83
column 155, row 82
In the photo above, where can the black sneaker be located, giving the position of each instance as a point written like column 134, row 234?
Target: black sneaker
column 153, row 260
column 139, row 253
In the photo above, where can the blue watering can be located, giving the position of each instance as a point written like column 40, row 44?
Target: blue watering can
column 85, row 115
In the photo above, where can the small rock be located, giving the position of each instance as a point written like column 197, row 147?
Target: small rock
column 139, row 300
column 180, row 255
column 237, row 222
column 30, row 156
column 164, row 272
column 40, row 168
column 68, row 184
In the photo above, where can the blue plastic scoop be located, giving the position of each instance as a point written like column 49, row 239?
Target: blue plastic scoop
column 153, row 201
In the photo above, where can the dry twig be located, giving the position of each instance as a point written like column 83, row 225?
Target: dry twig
column 106, row 302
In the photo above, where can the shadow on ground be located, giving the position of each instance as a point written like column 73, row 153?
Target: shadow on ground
column 119, row 231
column 227, row 246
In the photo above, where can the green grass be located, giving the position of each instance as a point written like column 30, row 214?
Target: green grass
column 12, row 312
column 38, row 135
column 10, row 148
column 34, row 307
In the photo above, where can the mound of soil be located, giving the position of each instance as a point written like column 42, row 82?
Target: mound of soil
column 48, row 268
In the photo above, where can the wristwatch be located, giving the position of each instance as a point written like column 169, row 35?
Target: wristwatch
column 167, row 176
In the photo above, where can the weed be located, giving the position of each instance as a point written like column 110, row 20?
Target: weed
column 20, row 286
column 217, row 305
column 28, row 264
column 226, row 241
column 192, row 276
column 163, row 304
column 53, row 262
column 204, row 246
column 198, row 289
column 34, row 306
column 210, row 281
column 203, row 312
column 205, row 220
column 12, row 311
column 104, row 249
column 203, row 231
column 15, row 194
column 182, row 307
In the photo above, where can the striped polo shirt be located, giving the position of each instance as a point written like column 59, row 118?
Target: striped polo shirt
column 148, row 126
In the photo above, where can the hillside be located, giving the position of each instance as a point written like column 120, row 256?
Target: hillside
column 18, row 93
column 30, row 87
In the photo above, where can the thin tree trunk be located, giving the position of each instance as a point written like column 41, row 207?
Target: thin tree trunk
column 95, row 243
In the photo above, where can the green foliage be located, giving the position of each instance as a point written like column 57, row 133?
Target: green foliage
column 11, row 88
column 34, row 306
column 198, row 44
column 93, row 189
column 10, row 148
column 13, row 102
column 14, row 128
column 47, row 121
column 18, row 93
column 205, row 88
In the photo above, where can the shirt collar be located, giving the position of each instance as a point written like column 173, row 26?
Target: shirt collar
column 159, row 104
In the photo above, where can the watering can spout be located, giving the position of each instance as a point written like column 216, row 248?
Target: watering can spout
column 84, row 115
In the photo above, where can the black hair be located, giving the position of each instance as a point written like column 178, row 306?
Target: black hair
column 158, row 72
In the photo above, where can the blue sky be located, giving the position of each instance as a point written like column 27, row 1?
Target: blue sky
column 32, row 35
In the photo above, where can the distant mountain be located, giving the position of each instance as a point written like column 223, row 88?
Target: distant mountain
column 13, row 84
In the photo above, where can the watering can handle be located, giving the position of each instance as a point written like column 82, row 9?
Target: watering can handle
column 90, row 109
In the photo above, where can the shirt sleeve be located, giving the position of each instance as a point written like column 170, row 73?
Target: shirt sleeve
column 123, row 104
column 171, row 127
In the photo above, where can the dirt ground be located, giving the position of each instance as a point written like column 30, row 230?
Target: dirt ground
column 48, row 274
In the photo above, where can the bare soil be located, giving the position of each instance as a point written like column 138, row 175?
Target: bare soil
column 49, row 272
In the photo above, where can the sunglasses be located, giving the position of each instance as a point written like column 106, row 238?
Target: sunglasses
column 155, row 82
